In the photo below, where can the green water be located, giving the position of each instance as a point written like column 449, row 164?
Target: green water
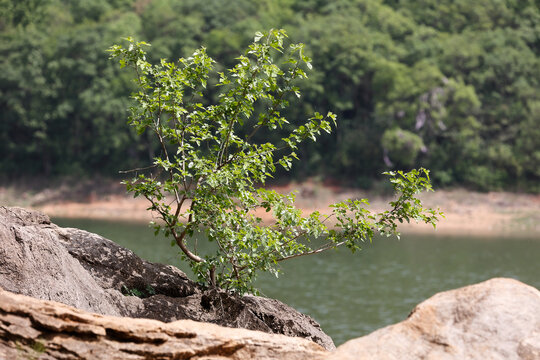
column 351, row 295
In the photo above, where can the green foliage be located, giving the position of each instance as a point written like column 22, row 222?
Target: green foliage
column 402, row 146
column 208, row 177
column 140, row 293
column 62, row 102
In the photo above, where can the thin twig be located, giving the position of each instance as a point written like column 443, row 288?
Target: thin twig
column 137, row 169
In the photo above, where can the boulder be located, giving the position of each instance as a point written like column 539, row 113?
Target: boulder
column 89, row 272
column 496, row 319
column 47, row 330
column 34, row 262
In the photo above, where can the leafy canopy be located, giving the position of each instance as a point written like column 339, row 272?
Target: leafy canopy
column 209, row 175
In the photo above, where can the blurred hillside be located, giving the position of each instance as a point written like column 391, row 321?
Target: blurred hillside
column 451, row 85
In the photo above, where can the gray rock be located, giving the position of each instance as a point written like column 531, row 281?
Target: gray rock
column 498, row 319
column 87, row 271
column 33, row 262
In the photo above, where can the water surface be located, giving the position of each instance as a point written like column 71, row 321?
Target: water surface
column 351, row 295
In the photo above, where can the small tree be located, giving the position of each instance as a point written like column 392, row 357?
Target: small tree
column 208, row 177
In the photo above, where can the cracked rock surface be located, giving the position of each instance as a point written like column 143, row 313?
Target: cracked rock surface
column 495, row 319
column 89, row 272
column 46, row 330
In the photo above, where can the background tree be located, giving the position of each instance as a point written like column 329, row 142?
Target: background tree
column 471, row 68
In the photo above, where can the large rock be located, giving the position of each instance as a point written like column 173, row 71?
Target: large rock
column 46, row 330
column 33, row 262
column 496, row 319
column 89, row 272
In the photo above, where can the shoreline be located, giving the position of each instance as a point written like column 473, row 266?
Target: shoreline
column 494, row 214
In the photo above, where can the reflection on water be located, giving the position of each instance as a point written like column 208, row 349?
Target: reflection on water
column 351, row 295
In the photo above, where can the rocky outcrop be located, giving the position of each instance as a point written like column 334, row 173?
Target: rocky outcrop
column 496, row 319
column 46, row 330
column 89, row 272
column 34, row 262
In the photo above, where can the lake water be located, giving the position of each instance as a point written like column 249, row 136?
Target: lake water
column 351, row 295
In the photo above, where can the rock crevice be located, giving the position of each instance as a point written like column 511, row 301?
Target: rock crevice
column 496, row 319
column 48, row 330
column 89, row 272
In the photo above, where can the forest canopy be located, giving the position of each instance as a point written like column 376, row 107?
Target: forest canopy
column 448, row 85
